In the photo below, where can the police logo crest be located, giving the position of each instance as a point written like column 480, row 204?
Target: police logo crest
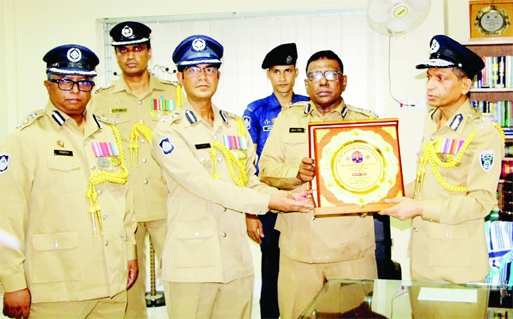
column 4, row 163
column 166, row 146
column 198, row 44
column 74, row 55
column 127, row 31
column 486, row 159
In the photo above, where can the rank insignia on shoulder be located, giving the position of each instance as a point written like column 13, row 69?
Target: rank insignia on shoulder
column 166, row 146
column 4, row 163
column 486, row 159
column 456, row 121
column 172, row 117
column 30, row 118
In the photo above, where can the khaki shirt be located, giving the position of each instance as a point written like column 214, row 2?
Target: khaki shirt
column 117, row 102
column 44, row 205
column 206, row 239
column 304, row 237
column 448, row 242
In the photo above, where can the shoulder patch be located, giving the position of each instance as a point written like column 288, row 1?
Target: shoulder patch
column 4, row 163
column 103, row 88
column 31, row 118
column 370, row 114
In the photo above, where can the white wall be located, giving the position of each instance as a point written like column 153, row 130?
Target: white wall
column 29, row 28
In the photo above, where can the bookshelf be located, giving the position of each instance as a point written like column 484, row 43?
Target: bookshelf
column 493, row 96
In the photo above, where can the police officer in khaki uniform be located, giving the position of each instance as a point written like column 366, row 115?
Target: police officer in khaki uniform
column 137, row 100
column 458, row 171
column 208, row 161
column 312, row 250
column 65, row 198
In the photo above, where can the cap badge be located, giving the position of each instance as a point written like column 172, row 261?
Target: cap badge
column 74, row 55
column 435, row 46
column 198, row 44
column 288, row 60
column 127, row 31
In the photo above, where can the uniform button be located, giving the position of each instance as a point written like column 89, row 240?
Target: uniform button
column 93, row 167
column 56, row 245
column 85, row 143
column 118, row 116
column 65, row 168
column 202, row 160
column 219, row 159
column 224, row 235
column 415, row 229
column 43, row 110
column 106, row 243
column 99, row 192
column 146, row 182
column 25, row 121
column 18, row 126
column 432, row 138
column 313, row 217
column 292, row 142
column 196, row 234
column 140, row 102
column 32, row 115
column 259, row 211
column 224, row 209
column 104, row 217
column 447, row 234
column 142, row 140
column 215, row 137
column 144, row 160
column 141, row 121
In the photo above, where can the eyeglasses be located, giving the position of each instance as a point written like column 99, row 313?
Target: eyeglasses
column 196, row 70
column 316, row 76
column 67, row 84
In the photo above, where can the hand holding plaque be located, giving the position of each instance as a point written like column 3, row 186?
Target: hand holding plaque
column 358, row 165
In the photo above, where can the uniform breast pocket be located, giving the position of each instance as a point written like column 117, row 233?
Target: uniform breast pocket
column 56, row 257
column 449, row 246
column 65, row 174
column 196, row 244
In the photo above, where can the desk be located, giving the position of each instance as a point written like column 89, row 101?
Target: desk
column 394, row 299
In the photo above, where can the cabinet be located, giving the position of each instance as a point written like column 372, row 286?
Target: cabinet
column 492, row 93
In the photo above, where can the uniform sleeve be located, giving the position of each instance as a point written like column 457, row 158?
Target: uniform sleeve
column 253, row 126
column 15, row 187
column 479, row 199
column 274, row 170
column 130, row 223
column 185, row 169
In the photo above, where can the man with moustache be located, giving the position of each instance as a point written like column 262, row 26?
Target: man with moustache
column 137, row 101
column 207, row 159
column 455, row 186
column 314, row 249
column 259, row 117
column 65, row 197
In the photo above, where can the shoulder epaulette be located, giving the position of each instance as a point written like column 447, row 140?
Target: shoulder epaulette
column 106, row 120
column 102, row 88
column 172, row 118
column 31, row 118
column 368, row 113
column 299, row 103
column 165, row 81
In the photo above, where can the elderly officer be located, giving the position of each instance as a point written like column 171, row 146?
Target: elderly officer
column 208, row 161
column 311, row 250
column 259, row 117
column 65, row 198
column 458, row 171
column 137, row 100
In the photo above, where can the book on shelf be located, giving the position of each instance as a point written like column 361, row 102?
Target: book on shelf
column 497, row 73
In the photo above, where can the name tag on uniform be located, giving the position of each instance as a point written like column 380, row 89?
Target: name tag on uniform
column 121, row 110
column 267, row 128
column 202, row 146
column 62, row 153
column 297, row 130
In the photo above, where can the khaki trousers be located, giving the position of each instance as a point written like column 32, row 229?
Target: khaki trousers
column 136, row 294
column 102, row 308
column 299, row 282
column 209, row 300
